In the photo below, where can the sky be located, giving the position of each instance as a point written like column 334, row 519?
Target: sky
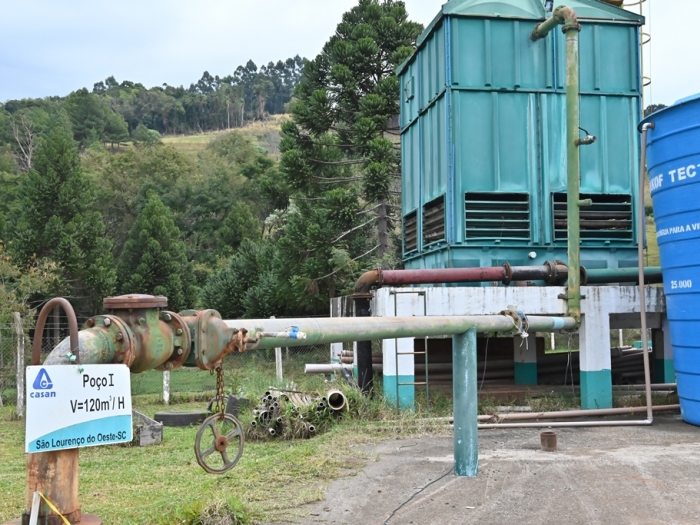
column 50, row 47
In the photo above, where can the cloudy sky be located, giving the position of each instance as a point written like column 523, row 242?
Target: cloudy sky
column 52, row 47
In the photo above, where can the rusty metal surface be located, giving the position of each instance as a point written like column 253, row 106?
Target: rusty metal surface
column 213, row 339
column 226, row 432
column 182, row 341
column 133, row 301
column 41, row 321
column 54, row 474
column 115, row 335
column 548, row 441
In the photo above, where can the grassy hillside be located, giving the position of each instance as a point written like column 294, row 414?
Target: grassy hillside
column 265, row 134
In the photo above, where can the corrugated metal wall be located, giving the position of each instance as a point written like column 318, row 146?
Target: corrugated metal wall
column 483, row 112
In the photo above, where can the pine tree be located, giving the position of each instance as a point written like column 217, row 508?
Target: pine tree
column 56, row 221
column 337, row 151
column 154, row 260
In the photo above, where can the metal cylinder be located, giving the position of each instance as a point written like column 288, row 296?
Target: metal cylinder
column 548, row 440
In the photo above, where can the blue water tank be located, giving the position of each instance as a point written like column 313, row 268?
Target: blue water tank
column 673, row 161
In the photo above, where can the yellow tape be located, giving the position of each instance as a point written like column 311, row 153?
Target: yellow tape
column 53, row 508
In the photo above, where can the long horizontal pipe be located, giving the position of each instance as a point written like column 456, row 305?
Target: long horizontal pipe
column 551, row 273
column 323, row 330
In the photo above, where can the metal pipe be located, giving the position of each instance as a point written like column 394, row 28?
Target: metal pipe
column 562, row 414
column 41, row 321
column 363, row 348
column 465, row 394
column 652, row 275
column 640, row 256
column 571, row 30
column 344, row 329
column 551, row 273
column 332, row 368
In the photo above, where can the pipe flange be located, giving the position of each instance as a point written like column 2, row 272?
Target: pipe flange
column 134, row 301
column 571, row 25
column 182, row 343
column 520, row 321
column 120, row 335
column 200, row 339
column 584, row 276
column 507, row 274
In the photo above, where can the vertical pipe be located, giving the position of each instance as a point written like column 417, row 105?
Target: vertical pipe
column 640, row 255
column 166, row 387
column 466, row 444
column 573, row 173
column 364, row 349
column 278, row 363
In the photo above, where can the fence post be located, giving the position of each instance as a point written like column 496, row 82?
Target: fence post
column 20, row 364
column 166, row 387
column 278, row 362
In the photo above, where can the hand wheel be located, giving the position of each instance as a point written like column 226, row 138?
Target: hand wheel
column 223, row 432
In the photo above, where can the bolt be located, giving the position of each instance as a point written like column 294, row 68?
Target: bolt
column 178, row 331
column 166, row 317
column 91, row 322
column 179, row 351
column 141, row 320
column 169, row 365
column 108, row 321
column 120, row 358
column 120, row 336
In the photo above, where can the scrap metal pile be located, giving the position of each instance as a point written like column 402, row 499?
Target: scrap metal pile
column 291, row 414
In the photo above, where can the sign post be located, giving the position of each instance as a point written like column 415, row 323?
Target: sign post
column 77, row 406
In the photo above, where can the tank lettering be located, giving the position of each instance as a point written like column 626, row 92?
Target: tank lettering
column 656, row 182
column 672, row 173
column 681, row 173
column 690, row 171
column 685, row 284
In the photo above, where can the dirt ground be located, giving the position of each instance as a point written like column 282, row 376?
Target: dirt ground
column 600, row 475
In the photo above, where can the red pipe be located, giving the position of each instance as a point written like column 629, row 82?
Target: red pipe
column 443, row 275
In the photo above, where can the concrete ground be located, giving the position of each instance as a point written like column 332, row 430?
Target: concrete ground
column 602, row 475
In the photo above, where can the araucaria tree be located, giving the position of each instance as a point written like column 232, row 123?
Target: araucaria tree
column 55, row 222
column 154, row 260
column 341, row 151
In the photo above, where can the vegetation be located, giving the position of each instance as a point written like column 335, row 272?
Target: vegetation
column 249, row 222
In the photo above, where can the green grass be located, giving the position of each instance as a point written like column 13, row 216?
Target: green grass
column 162, row 483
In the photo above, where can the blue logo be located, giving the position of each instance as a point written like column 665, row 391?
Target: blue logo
column 43, row 381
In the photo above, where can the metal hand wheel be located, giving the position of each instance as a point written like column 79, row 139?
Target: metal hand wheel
column 224, row 433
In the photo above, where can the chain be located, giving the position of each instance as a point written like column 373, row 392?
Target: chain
column 219, row 404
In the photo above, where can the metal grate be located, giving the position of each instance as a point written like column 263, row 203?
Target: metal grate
column 609, row 218
column 434, row 220
column 410, row 232
column 497, row 215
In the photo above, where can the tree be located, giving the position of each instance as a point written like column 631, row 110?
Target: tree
column 55, row 221
column 145, row 136
column 19, row 285
column 154, row 260
column 338, row 151
column 652, row 108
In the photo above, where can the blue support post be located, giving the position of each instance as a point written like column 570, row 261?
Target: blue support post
column 466, row 440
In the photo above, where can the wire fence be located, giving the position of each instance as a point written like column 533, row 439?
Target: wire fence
column 8, row 364
column 244, row 374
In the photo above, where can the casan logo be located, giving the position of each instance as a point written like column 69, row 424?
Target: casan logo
column 42, row 382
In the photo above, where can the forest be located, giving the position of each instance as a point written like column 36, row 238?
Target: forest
column 99, row 196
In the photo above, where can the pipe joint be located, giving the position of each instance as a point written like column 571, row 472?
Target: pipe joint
column 519, row 320
column 566, row 16
column 562, row 15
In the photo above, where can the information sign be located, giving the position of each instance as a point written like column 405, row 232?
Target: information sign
column 70, row 406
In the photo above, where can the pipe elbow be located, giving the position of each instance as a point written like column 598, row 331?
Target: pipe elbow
column 566, row 16
column 367, row 280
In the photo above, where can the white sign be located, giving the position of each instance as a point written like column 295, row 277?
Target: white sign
column 70, row 406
